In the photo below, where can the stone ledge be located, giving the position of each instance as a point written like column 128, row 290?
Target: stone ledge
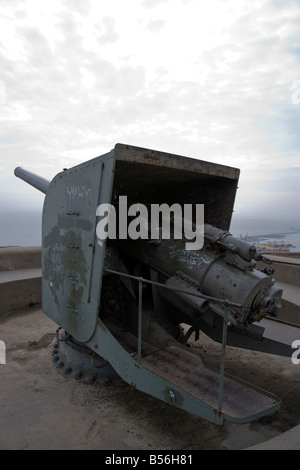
column 20, row 257
column 20, row 288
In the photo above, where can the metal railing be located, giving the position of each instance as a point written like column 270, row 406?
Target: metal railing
column 227, row 303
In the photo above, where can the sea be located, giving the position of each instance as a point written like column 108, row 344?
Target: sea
column 23, row 228
column 277, row 231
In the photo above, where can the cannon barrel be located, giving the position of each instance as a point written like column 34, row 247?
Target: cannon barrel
column 34, row 180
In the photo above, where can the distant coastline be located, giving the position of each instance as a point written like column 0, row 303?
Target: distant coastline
column 24, row 228
column 267, row 231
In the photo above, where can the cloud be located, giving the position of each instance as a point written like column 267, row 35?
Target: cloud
column 156, row 25
column 285, row 180
column 109, row 35
column 82, row 6
column 153, row 3
column 78, row 79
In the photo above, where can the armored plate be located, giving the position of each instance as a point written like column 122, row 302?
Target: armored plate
column 72, row 256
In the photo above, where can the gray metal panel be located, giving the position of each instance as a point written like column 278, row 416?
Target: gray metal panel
column 72, row 260
column 130, row 153
column 180, row 372
column 150, row 176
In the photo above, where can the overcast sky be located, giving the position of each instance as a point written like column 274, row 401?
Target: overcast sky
column 217, row 80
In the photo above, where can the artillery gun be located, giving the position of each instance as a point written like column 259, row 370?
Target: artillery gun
column 120, row 303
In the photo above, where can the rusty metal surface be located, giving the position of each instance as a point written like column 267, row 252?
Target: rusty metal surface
column 129, row 153
column 188, row 372
column 127, row 339
column 149, row 176
column 72, row 256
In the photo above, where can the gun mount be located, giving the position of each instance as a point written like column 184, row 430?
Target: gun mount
column 123, row 301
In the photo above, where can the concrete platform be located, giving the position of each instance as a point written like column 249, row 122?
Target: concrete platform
column 289, row 440
column 42, row 409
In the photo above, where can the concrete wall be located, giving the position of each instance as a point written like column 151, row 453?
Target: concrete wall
column 19, row 257
column 20, row 293
column 287, row 273
column 20, row 278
